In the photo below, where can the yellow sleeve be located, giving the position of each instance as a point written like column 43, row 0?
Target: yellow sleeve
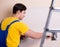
column 22, row 27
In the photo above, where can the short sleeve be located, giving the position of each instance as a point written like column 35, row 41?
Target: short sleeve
column 22, row 27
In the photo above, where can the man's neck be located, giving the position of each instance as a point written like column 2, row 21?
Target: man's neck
column 16, row 16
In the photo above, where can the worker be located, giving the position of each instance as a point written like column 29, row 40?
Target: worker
column 18, row 28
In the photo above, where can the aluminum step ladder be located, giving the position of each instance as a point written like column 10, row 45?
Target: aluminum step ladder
column 54, row 32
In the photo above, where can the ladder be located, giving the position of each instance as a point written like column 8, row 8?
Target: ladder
column 54, row 32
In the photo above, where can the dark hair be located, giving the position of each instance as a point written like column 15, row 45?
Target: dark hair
column 18, row 6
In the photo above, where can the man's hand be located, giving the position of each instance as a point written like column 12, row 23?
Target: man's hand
column 23, row 37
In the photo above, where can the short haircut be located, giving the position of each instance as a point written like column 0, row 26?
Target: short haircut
column 18, row 6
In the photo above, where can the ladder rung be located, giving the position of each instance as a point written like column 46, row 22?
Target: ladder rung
column 54, row 31
column 57, row 10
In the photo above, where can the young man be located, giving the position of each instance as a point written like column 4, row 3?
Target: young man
column 18, row 28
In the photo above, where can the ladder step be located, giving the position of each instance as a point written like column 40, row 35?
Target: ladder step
column 57, row 10
column 54, row 31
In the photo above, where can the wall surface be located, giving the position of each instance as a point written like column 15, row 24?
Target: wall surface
column 36, row 15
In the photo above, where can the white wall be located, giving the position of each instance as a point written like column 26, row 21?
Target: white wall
column 37, row 12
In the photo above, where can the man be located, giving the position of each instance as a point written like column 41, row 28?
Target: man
column 18, row 28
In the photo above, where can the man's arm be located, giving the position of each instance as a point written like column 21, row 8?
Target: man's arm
column 32, row 34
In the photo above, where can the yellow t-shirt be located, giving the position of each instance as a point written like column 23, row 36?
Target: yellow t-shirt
column 14, row 32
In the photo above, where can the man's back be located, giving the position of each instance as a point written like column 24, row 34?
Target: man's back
column 14, row 31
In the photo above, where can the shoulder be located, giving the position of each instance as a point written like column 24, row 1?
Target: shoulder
column 20, row 23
